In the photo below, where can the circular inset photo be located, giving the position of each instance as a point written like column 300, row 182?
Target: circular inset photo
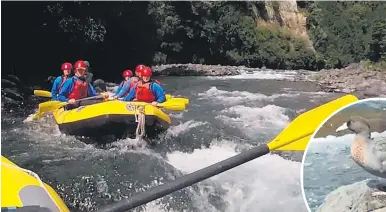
column 344, row 165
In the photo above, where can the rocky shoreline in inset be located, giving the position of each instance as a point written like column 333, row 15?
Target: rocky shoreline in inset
column 356, row 197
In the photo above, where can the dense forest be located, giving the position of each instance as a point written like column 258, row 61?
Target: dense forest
column 39, row 36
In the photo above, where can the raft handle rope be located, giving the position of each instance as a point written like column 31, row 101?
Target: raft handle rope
column 33, row 174
column 140, row 118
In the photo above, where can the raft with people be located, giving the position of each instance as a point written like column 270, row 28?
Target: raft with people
column 135, row 109
column 116, row 117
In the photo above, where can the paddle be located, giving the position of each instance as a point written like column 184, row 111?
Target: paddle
column 47, row 94
column 299, row 129
column 42, row 93
column 172, row 105
column 184, row 100
column 54, row 105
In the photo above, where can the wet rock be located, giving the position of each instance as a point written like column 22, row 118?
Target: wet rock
column 12, row 93
column 99, row 86
column 356, row 197
column 352, row 79
column 195, row 70
column 13, row 78
column 13, row 90
column 51, row 80
column 7, row 101
column 89, row 77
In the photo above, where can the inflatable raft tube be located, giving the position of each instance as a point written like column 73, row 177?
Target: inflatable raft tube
column 23, row 190
column 111, row 118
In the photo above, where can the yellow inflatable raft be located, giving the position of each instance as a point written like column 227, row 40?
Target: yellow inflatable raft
column 22, row 188
column 115, row 117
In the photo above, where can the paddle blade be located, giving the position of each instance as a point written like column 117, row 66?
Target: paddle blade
column 183, row 100
column 171, row 105
column 50, row 106
column 297, row 134
column 42, row 93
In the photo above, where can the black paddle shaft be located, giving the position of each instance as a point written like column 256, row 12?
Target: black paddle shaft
column 187, row 180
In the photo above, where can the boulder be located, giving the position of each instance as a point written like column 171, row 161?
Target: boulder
column 356, row 197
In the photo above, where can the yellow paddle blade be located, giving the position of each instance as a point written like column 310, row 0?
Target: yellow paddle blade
column 184, row 100
column 296, row 135
column 171, row 105
column 50, row 106
column 179, row 101
column 42, row 93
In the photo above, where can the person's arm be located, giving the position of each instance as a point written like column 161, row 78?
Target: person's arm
column 54, row 88
column 131, row 95
column 124, row 89
column 158, row 92
column 66, row 90
column 91, row 91
column 118, row 89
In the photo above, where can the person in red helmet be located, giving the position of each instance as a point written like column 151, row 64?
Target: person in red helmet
column 125, row 85
column 77, row 87
column 146, row 90
column 60, row 80
column 138, row 71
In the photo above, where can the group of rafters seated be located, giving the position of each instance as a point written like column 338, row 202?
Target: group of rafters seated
column 140, row 87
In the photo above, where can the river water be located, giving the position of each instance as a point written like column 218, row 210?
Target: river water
column 328, row 164
column 226, row 115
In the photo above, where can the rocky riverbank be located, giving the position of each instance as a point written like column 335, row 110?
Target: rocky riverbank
column 12, row 90
column 196, row 70
column 355, row 197
column 352, row 79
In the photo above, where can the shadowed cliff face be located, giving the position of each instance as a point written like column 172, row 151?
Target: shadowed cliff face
column 39, row 36
column 114, row 36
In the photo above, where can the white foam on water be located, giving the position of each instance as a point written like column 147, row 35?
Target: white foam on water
column 179, row 115
column 269, row 183
column 47, row 137
column 237, row 97
column 324, row 144
column 183, row 127
column 252, row 120
column 268, row 74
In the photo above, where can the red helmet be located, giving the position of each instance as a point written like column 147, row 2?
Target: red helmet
column 139, row 68
column 127, row 73
column 146, row 72
column 66, row 66
column 80, row 64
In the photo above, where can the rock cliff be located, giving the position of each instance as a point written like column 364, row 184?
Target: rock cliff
column 284, row 13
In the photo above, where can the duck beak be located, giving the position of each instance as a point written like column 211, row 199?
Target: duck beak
column 343, row 127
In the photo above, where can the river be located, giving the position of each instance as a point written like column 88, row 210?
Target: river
column 226, row 115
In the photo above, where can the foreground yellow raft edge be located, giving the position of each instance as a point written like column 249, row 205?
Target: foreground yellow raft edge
column 22, row 188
